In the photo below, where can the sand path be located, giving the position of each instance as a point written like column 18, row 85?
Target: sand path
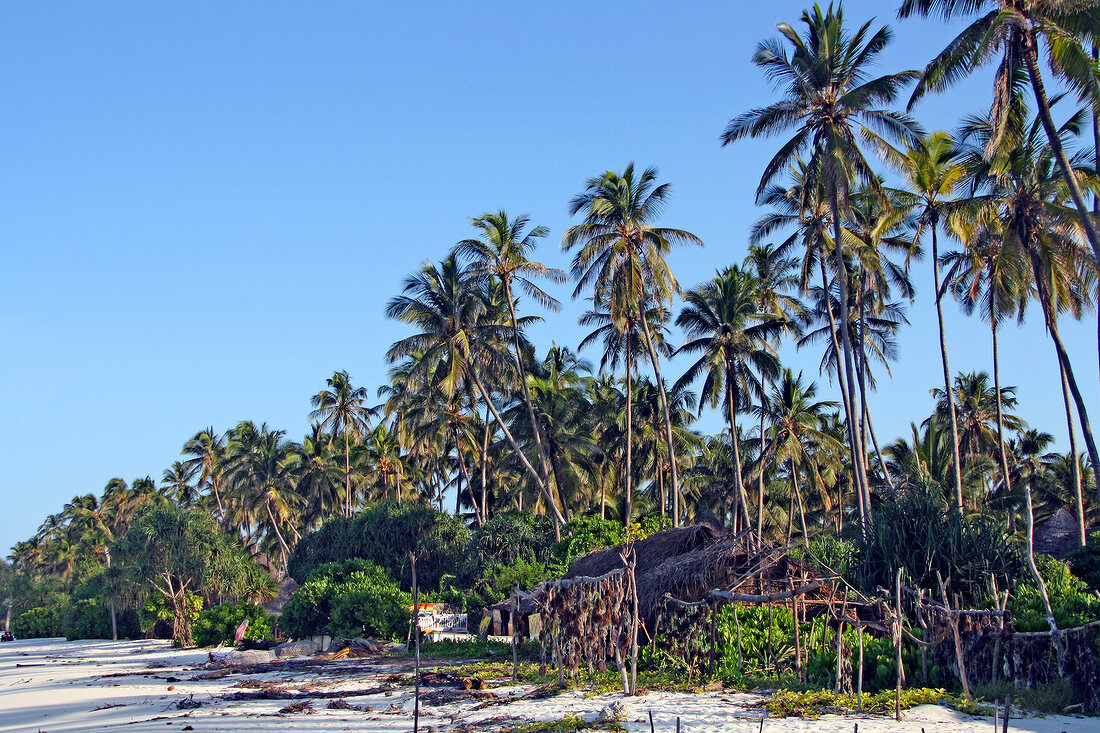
column 53, row 686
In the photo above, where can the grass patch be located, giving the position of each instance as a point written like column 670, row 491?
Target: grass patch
column 786, row 703
column 476, row 648
column 568, row 724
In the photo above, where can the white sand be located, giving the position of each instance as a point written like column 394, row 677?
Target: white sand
column 52, row 686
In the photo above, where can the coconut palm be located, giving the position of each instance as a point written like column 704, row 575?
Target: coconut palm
column 456, row 342
column 342, row 410
column 828, row 100
column 207, row 452
column 621, row 255
column 1027, row 211
column 933, row 172
column 501, row 252
column 178, row 482
column 735, row 342
column 798, row 437
column 1012, row 30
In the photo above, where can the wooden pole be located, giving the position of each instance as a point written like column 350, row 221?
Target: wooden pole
column 416, row 636
column 515, row 633
column 897, row 644
column 953, row 622
column 859, row 682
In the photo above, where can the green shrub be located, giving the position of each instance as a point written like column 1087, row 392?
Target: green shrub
column 1085, row 562
column 156, row 615
column 219, row 624
column 584, row 533
column 497, row 582
column 1070, row 599
column 385, row 534
column 88, row 618
column 350, row 598
column 39, row 623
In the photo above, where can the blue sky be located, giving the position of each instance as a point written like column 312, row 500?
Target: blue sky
column 205, row 206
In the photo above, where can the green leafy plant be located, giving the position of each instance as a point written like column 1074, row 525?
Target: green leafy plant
column 39, row 623
column 219, row 623
column 1070, row 599
column 88, row 618
column 350, row 598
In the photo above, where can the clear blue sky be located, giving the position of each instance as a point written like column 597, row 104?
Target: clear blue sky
column 204, row 206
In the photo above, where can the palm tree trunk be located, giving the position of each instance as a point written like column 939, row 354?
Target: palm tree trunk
column 1078, row 494
column 1031, row 57
column 347, row 473
column 526, row 393
column 554, row 512
column 275, row 526
column 629, row 434
column 466, row 477
column 674, row 474
column 845, row 371
column 760, row 477
column 485, row 468
column 948, row 393
column 1002, row 453
column 735, row 442
column 878, row 453
column 1063, row 360
column 801, row 508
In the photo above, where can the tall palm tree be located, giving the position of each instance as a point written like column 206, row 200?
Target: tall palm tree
column 933, row 171
column 502, row 252
column 207, row 453
column 799, row 438
column 621, row 254
column 342, row 410
column 1013, row 29
column 828, row 101
column 317, row 479
column 262, row 472
column 1026, row 208
column 456, row 343
column 178, row 481
column 734, row 340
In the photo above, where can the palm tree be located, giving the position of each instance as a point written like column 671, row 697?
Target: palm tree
column 317, row 478
column 342, row 410
column 829, row 100
column 207, row 451
column 178, row 480
column 456, row 342
column 1026, row 209
column 1014, row 28
column 798, row 435
column 262, row 472
column 734, row 339
column 501, row 252
column 622, row 255
column 933, row 171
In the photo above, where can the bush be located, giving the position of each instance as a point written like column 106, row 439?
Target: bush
column 39, row 623
column 916, row 531
column 1070, row 599
column 156, row 615
column 585, row 533
column 1085, row 562
column 385, row 534
column 219, row 624
column 497, row 582
column 88, row 618
column 350, row 598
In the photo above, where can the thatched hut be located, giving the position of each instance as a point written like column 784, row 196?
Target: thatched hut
column 1058, row 535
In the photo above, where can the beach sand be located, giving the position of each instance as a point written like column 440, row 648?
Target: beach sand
column 51, row 685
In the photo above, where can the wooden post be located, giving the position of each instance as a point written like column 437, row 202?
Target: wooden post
column 416, row 636
column 515, row 634
column 953, row 622
column 859, row 682
column 737, row 626
column 633, row 623
column 797, row 638
column 924, row 627
column 897, row 643
column 839, row 642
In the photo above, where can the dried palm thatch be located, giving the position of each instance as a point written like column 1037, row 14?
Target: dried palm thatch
column 650, row 552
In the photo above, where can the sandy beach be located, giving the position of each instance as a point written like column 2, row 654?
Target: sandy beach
column 52, row 685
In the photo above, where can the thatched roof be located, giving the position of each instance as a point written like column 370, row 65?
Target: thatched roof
column 1057, row 535
column 649, row 553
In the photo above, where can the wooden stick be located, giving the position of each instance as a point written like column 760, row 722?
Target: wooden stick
column 416, row 634
column 859, row 687
column 953, row 622
column 897, row 642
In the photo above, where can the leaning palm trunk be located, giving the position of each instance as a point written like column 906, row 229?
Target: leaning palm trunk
column 1031, row 57
column 844, row 369
column 1063, row 360
column 544, row 462
column 1002, row 453
column 1078, row 494
column 760, row 476
column 948, row 393
column 555, row 513
column 629, row 437
column 674, row 474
